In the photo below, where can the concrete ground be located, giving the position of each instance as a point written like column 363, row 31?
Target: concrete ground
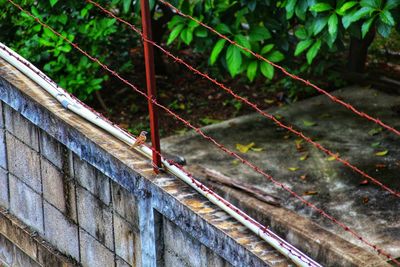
column 364, row 207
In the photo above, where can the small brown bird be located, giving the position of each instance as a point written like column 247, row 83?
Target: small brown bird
column 140, row 140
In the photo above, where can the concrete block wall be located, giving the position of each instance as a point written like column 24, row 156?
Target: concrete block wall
column 70, row 194
column 64, row 199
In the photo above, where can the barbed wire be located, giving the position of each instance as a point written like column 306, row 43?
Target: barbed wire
column 286, row 72
column 247, row 102
column 220, row 146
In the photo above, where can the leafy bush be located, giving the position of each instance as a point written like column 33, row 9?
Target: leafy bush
column 73, row 19
column 278, row 30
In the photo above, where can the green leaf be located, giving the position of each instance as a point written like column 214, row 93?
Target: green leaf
column 267, row 48
column 375, row 4
column 223, row 28
column 290, row 8
column 333, row 24
column 301, row 46
column 53, row 2
column 366, row 26
column 233, row 59
column 313, row 51
column 252, row 70
column 276, row 56
column 348, row 19
column 193, row 24
column 217, row 50
column 259, row 33
column 175, row 21
column 346, row 6
column 46, row 42
column 187, row 36
column 243, row 41
column 390, row 4
column 387, row 18
column 384, row 29
column 201, row 32
column 301, row 33
column 321, row 7
column 362, row 12
column 49, row 34
column 62, row 18
column 126, row 5
column 175, row 33
column 319, row 24
column 267, row 70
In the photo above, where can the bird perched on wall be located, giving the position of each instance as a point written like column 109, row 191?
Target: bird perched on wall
column 140, row 140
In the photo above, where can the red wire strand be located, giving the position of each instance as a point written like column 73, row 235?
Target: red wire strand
column 226, row 150
column 286, row 72
column 254, row 106
column 198, row 184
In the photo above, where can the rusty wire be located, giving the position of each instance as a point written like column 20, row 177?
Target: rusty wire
column 220, row 146
column 249, row 103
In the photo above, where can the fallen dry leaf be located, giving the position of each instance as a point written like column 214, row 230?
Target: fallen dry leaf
column 293, row 169
column 309, row 123
column 235, row 162
column 269, row 101
column 332, row 158
column 365, row 200
column 382, row 153
column 304, row 157
column 299, row 145
column 380, row 165
column 303, row 177
column 256, row 149
column 244, row 148
column 375, row 131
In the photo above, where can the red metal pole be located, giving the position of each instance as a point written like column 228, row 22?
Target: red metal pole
column 150, row 82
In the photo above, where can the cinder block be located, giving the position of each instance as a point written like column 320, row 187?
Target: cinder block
column 93, row 253
column 125, row 204
column 58, row 189
column 51, row 149
column 4, row 189
column 21, row 259
column 61, row 232
column 121, row 263
column 95, row 217
column 21, row 128
column 3, row 153
column 1, row 114
column 124, row 239
column 89, row 178
column 180, row 246
column 6, row 251
column 26, row 204
column 23, row 162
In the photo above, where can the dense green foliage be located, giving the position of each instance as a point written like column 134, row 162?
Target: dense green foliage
column 282, row 31
column 97, row 35
column 279, row 30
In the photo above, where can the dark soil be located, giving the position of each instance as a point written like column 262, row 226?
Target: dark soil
column 201, row 102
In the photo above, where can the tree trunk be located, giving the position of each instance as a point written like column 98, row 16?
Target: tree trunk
column 359, row 51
